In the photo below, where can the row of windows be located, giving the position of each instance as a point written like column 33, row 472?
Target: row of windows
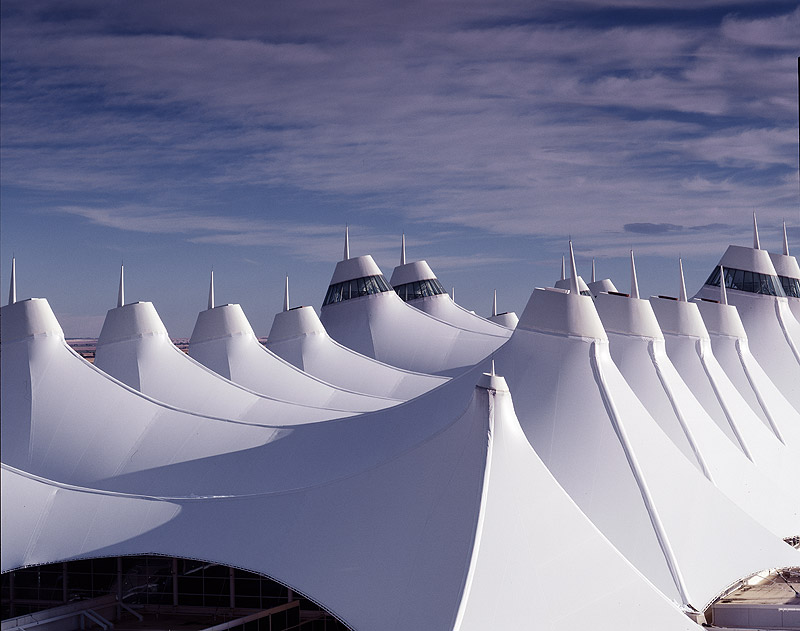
column 791, row 286
column 151, row 581
column 744, row 280
column 355, row 288
column 420, row 289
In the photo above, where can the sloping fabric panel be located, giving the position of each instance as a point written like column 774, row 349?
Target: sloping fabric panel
column 311, row 349
column 223, row 341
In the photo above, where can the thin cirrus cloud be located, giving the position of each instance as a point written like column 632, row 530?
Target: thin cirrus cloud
column 506, row 119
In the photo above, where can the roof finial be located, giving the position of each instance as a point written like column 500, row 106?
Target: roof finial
column 346, row 243
column 563, row 269
column 785, row 240
column 121, row 293
column 634, row 281
column 211, row 291
column 756, row 242
column 593, row 274
column 682, row 294
column 494, row 304
column 403, row 250
column 493, row 372
column 453, row 294
column 573, row 280
column 12, row 289
column 723, row 292
column 286, row 296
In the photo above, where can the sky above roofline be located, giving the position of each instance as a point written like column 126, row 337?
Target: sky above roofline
column 183, row 136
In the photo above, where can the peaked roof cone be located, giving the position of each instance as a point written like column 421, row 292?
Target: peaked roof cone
column 723, row 292
column 286, row 296
column 121, row 292
column 403, row 250
column 563, row 269
column 594, row 279
column 756, row 242
column 634, row 281
column 12, row 290
column 785, row 241
column 682, row 294
column 346, row 254
column 211, row 291
column 573, row 281
column 494, row 304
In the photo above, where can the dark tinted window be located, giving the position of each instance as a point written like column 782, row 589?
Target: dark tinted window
column 420, row 289
column 355, row 288
column 791, row 286
column 744, row 280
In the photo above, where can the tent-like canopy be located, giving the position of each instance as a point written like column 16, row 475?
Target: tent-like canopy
column 430, row 520
column 617, row 464
column 362, row 312
column 754, row 288
column 297, row 336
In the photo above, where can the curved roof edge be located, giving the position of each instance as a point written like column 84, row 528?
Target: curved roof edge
column 553, row 310
column 294, row 323
column 411, row 272
column 353, row 268
column 218, row 322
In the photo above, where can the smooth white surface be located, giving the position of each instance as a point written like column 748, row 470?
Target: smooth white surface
column 773, row 334
column 385, row 328
column 786, row 265
column 298, row 337
column 223, row 341
column 691, row 353
column 638, row 350
column 752, row 259
column 383, row 519
column 616, row 463
column 732, row 351
column 134, row 347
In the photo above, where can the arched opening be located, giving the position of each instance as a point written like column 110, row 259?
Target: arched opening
column 155, row 592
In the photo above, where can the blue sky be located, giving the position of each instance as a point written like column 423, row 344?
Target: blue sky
column 181, row 136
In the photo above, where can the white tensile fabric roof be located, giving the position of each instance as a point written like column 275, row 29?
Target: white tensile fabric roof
column 786, row 265
column 689, row 349
column 135, row 348
column 732, row 351
column 223, row 341
column 638, row 349
column 772, row 330
column 452, row 510
column 297, row 336
column 441, row 305
column 434, row 533
column 385, row 328
column 614, row 460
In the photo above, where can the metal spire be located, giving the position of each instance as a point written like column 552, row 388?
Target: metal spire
column 563, row 269
column 286, row 296
column 785, row 240
column 593, row 275
column 346, row 243
column 756, row 242
column 682, row 294
column 211, row 291
column 12, row 290
column 403, row 250
column 573, row 281
column 453, row 295
column 723, row 292
column 634, row 281
column 494, row 304
column 121, row 293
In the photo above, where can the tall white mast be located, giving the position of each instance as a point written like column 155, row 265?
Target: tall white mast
column 785, row 241
column 563, row 269
column 346, row 243
column 211, row 291
column 494, row 304
column 682, row 294
column 12, row 289
column 723, row 292
column 121, row 292
column 403, row 250
column 756, row 242
column 286, row 296
column 573, row 281
column 634, row 280
column 593, row 274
